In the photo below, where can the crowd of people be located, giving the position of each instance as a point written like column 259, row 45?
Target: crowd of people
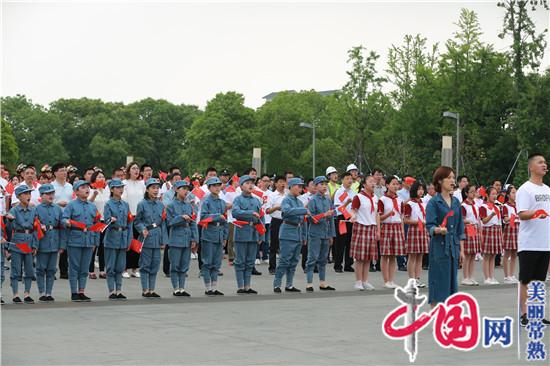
column 59, row 220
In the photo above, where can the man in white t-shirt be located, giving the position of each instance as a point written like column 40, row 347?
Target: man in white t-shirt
column 533, row 206
column 463, row 181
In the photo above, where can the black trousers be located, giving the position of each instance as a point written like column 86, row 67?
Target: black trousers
column 342, row 246
column 274, row 242
column 304, row 256
column 100, row 253
column 166, row 262
column 63, row 264
column 132, row 258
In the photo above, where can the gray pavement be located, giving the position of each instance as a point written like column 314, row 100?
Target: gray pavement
column 339, row 328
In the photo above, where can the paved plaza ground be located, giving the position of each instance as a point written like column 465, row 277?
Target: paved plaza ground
column 339, row 328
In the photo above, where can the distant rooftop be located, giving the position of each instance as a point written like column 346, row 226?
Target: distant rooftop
column 324, row 93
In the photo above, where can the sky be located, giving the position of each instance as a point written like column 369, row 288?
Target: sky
column 187, row 52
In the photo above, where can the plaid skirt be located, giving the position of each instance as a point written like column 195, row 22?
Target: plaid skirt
column 491, row 239
column 510, row 237
column 363, row 242
column 417, row 241
column 392, row 239
column 472, row 244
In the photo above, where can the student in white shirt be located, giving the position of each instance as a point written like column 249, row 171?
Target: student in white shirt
column 343, row 198
column 274, row 210
column 534, row 232
column 134, row 190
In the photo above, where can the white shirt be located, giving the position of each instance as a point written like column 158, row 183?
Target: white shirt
column 62, row 192
column 337, row 203
column 265, row 203
column 275, row 199
column 387, row 202
column 426, row 199
column 495, row 220
column 101, row 198
column 3, row 182
column 366, row 213
column 458, row 195
column 35, row 195
column 533, row 234
column 134, row 190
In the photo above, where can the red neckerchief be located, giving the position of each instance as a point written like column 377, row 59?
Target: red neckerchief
column 473, row 207
column 370, row 199
column 494, row 208
column 394, row 200
column 419, row 203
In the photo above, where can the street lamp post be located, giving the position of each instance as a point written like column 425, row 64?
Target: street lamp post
column 312, row 126
column 456, row 116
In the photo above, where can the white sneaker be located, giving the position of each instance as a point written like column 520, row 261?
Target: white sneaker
column 467, row 282
column 125, row 274
column 478, row 257
column 508, row 280
column 420, row 284
column 358, row 286
column 495, row 282
column 257, row 261
column 488, row 281
column 548, row 277
column 136, row 274
column 388, row 285
column 367, row 286
column 266, row 261
column 193, row 256
column 474, row 282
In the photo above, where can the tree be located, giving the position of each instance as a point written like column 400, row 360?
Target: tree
column 222, row 136
column 10, row 151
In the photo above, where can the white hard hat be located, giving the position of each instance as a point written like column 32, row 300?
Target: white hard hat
column 330, row 170
column 351, row 167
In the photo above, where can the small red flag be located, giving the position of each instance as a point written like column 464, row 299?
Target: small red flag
column 344, row 212
column 204, row 222
column 240, row 223
column 130, row 217
column 136, row 245
column 163, row 175
column 24, row 247
column 3, row 228
column 262, row 212
column 198, row 192
column 230, row 189
column 471, row 231
column 449, row 214
column 483, row 192
column 10, row 188
column 235, row 178
column 98, row 227
column 164, row 214
column 539, row 213
column 78, row 224
column 500, row 198
column 258, row 193
column 37, row 226
column 343, row 196
column 260, row 228
column 342, row 228
column 420, row 225
column 196, row 183
column 73, row 196
column 187, row 179
column 97, row 216
column 98, row 184
column 316, row 218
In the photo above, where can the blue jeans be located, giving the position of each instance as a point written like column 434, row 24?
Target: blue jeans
column 46, row 264
column 245, row 254
column 149, row 263
column 115, row 263
column 289, row 256
column 316, row 255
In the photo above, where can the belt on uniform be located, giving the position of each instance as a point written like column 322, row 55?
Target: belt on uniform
column 26, row 231
column 51, row 227
column 296, row 224
column 74, row 228
column 119, row 228
column 152, row 226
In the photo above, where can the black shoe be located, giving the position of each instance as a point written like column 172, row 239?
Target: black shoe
column 2, row 302
column 241, row 291
column 272, row 273
column 75, row 297
column 154, row 295
column 176, row 293
column 64, row 276
column 121, row 297
column 309, row 289
column 349, row 269
column 145, row 294
column 113, row 296
column 209, row 293
column 402, row 268
column 523, row 321
column 217, row 293
column 43, row 298
column 316, row 270
column 292, row 289
column 546, row 322
column 327, row 288
column 28, row 300
column 220, row 273
column 372, row 269
column 251, row 292
column 255, row 272
column 34, row 278
column 84, row 298
column 338, row 270
column 50, row 299
column 17, row 300
column 277, row 290
column 185, row 294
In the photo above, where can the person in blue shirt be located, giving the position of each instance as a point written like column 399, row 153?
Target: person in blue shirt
column 118, row 236
column 24, row 237
column 321, row 233
column 150, row 222
column 247, row 237
column 78, row 216
column 182, row 236
column 50, row 216
column 213, row 236
column 292, row 235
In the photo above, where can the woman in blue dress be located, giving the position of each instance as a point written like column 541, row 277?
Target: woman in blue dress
column 446, row 237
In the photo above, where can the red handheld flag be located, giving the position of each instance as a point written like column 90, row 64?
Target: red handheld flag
column 130, row 217
column 136, row 245
column 262, row 212
column 258, row 193
column 10, row 188
column 420, row 225
column 240, row 223
column 98, row 227
column 318, row 217
column 230, row 189
column 163, row 214
column 260, row 228
column 98, row 184
column 198, row 192
column 163, row 175
column 78, row 224
column 38, row 227
column 342, row 228
column 196, row 183
column 97, row 216
column 539, row 213
column 344, row 212
column 24, row 247
column 235, row 178
column 471, row 231
column 449, row 214
column 204, row 222
column 343, row 196
column 500, row 198
column 483, row 192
